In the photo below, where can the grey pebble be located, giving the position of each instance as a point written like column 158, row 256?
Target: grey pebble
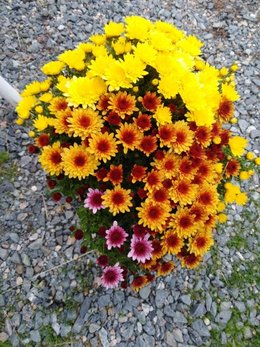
column 223, row 317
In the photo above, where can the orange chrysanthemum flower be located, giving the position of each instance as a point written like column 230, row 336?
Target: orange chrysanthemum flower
column 225, row 109
column 183, row 137
column 148, row 145
column 206, row 172
column 42, row 140
column 171, row 242
column 199, row 213
column 153, row 180
column 138, row 282
column 203, row 136
column 103, row 103
column 158, row 251
column 169, row 164
column 151, row 101
column 191, row 261
column 122, row 103
column 143, row 121
column 138, row 173
column 186, row 169
column 159, row 195
column 153, row 215
column 129, row 136
column 165, row 268
column 61, row 122
column 183, row 192
column 148, row 264
column 78, row 162
column 210, row 222
column 117, row 200
column 58, row 104
column 200, row 243
column 103, row 146
column 232, row 168
column 51, row 159
column 166, row 134
column 183, row 223
column 115, row 174
column 208, row 197
column 85, row 122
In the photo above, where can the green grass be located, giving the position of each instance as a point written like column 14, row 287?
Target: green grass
column 51, row 339
column 7, row 170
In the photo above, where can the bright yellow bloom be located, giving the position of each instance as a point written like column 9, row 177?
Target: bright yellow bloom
column 19, row 121
column 46, row 97
column 168, row 86
column 244, row 175
column 73, row 58
column 31, row 133
column 115, row 76
column 39, row 109
column 85, row 91
column 41, row 122
column 221, row 206
column 121, row 45
column 234, row 120
column 52, row 68
column 234, row 67
column 98, row 39
column 190, row 44
column 257, row 161
column 113, row 29
column 78, row 162
column 62, row 83
column 145, row 52
column 134, row 68
column 137, row 27
column 250, row 155
column 241, row 199
column 222, row 218
column 163, row 114
column 237, row 145
column 229, row 92
column 223, row 71
column 219, row 167
column 25, row 105
column 31, row 89
column 160, row 41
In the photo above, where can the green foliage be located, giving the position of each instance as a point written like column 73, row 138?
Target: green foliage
column 4, row 157
column 7, row 171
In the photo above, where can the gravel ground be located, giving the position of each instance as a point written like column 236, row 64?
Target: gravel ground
column 213, row 306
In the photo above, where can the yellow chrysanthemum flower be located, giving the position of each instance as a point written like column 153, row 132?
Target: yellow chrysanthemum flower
column 85, row 91
column 46, row 97
column 113, row 29
column 153, row 215
column 62, row 83
column 31, row 89
column 134, row 68
column 190, row 44
column 41, row 122
column 98, row 39
column 115, row 76
column 52, row 68
column 237, row 145
column 241, row 199
column 163, row 114
column 78, row 162
column 121, row 45
column 201, row 243
column 73, row 58
column 25, row 105
column 137, row 27
column 103, row 146
column 222, row 218
column 168, row 86
column 229, row 92
column 160, row 41
column 145, row 52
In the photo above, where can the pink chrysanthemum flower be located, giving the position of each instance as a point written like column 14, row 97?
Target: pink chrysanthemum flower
column 93, row 200
column 111, row 276
column 116, row 236
column 141, row 248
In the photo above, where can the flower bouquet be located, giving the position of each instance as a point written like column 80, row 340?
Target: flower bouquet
column 130, row 128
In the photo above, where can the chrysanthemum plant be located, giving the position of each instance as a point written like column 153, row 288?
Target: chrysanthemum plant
column 130, row 128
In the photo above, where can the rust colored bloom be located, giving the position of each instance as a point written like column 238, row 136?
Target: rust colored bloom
column 122, row 103
column 138, row 173
column 151, row 101
column 201, row 243
column 129, row 136
column 113, row 118
column 165, row 268
column 148, row 145
column 103, row 103
column 138, row 282
column 232, row 168
column 115, row 174
column 143, row 121
column 43, row 140
column 171, row 242
column 166, row 134
column 225, row 109
column 203, row 136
